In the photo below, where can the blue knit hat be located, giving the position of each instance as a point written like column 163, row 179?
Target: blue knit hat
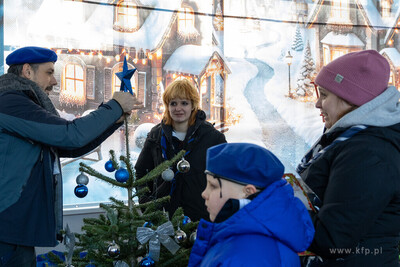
column 31, row 54
column 244, row 163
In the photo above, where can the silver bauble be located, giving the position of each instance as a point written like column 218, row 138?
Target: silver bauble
column 180, row 236
column 168, row 175
column 183, row 166
column 82, row 179
column 120, row 264
column 193, row 237
column 113, row 250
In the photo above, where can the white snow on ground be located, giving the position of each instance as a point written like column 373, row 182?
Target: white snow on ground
column 248, row 129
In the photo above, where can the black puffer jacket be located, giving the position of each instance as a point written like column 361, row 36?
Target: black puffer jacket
column 189, row 186
column 358, row 182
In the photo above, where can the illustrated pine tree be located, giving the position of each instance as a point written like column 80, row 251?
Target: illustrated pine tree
column 305, row 89
column 298, row 44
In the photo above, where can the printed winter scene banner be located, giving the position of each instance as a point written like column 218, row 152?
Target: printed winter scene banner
column 252, row 61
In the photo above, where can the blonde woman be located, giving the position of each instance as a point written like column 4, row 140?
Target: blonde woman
column 183, row 126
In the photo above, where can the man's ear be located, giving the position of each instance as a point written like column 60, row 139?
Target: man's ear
column 249, row 189
column 27, row 71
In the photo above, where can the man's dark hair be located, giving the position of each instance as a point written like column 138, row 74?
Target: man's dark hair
column 17, row 68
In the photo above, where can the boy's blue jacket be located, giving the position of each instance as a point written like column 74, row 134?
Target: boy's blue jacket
column 31, row 135
column 269, row 231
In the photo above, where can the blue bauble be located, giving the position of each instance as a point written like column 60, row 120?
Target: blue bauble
column 186, row 220
column 147, row 224
column 81, row 190
column 109, row 166
column 122, row 175
column 147, row 262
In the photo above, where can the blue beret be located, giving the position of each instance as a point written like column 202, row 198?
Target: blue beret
column 31, row 54
column 244, row 163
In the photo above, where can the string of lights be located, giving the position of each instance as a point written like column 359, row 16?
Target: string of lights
column 227, row 16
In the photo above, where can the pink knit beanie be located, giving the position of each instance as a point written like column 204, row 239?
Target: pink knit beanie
column 357, row 77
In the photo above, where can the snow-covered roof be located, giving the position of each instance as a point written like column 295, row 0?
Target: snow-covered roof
column 192, row 59
column 375, row 19
column 151, row 34
column 366, row 7
column 393, row 54
column 313, row 11
column 60, row 23
column 349, row 39
column 394, row 26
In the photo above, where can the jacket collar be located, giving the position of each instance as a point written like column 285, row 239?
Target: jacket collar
column 382, row 111
column 12, row 82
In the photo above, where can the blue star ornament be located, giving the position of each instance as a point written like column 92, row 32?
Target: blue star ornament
column 125, row 76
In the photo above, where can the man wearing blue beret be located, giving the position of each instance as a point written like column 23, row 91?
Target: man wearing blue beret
column 255, row 218
column 32, row 138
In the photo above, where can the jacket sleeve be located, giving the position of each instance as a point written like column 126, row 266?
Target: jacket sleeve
column 145, row 161
column 220, row 139
column 360, row 186
column 144, row 164
column 89, row 147
column 21, row 116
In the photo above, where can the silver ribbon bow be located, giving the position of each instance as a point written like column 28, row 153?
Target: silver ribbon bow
column 69, row 242
column 160, row 235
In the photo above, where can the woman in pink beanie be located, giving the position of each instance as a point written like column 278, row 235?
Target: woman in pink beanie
column 354, row 168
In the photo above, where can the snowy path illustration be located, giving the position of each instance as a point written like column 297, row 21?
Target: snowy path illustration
column 276, row 133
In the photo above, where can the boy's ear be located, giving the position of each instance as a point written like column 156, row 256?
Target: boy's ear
column 249, row 189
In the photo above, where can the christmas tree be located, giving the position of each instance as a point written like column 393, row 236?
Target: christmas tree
column 298, row 40
column 305, row 89
column 129, row 233
column 134, row 234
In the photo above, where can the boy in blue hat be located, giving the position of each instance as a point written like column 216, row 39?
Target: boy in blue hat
column 32, row 138
column 255, row 218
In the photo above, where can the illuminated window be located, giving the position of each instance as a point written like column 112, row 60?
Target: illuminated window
column 335, row 53
column 73, row 92
column 327, row 57
column 126, row 17
column 218, row 90
column 391, row 78
column 385, row 7
column 340, row 9
column 185, row 19
column 117, row 82
column 186, row 27
column 203, row 87
column 332, row 53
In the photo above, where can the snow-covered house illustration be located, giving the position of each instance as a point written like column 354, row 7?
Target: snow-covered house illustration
column 299, row 10
column 207, row 69
column 387, row 9
column 92, row 39
column 343, row 26
column 393, row 57
column 391, row 50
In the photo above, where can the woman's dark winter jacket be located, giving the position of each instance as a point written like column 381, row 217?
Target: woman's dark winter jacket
column 188, row 186
column 358, row 183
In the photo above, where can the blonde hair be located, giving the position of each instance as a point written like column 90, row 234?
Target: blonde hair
column 182, row 89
